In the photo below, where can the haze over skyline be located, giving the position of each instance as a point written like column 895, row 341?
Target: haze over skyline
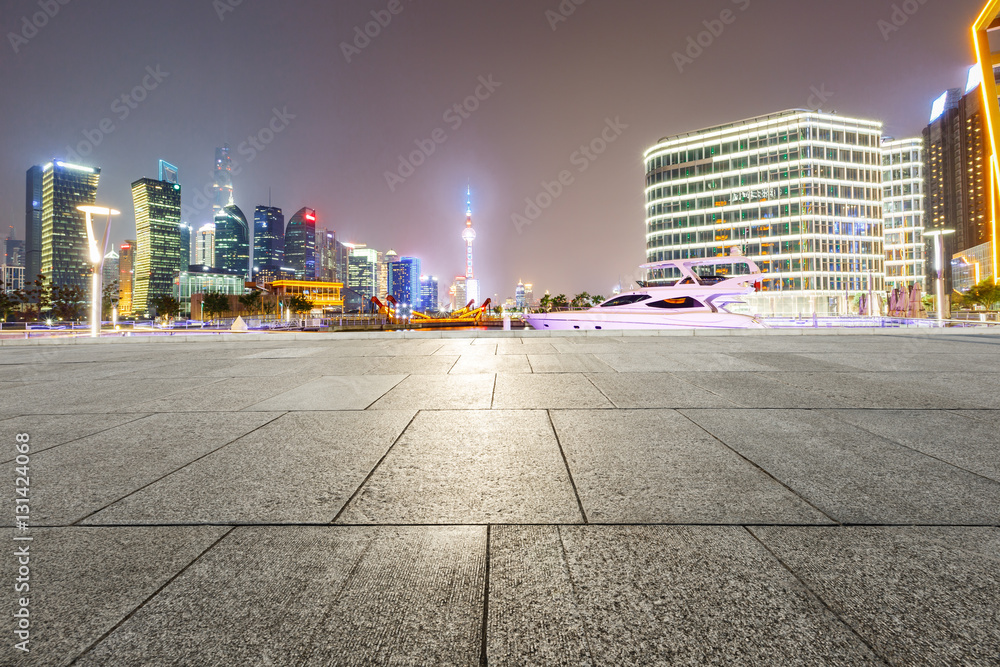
column 322, row 124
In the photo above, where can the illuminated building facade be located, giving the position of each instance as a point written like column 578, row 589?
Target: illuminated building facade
column 903, row 213
column 956, row 167
column 204, row 246
column 232, row 241
column 268, row 238
column 65, row 253
column 300, row 244
column 203, row 279
column 322, row 295
column 529, row 295
column 112, row 269
column 429, row 294
column 384, row 273
column 799, row 192
column 126, row 271
column 158, row 239
column 519, row 300
column 33, row 223
column 458, row 293
column 363, row 265
column 222, row 182
column 331, row 257
column 405, row 279
column 185, row 257
column 12, row 277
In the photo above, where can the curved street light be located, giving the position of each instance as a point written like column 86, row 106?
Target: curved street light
column 938, row 235
column 97, row 251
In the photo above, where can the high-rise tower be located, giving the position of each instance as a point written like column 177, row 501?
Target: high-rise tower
column 223, row 180
column 300, row 244
column 469, row 235
column 65, row 253
column 158, row 240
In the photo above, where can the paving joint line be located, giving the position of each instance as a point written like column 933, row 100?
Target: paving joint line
column 569, row 472
column 758, row 467
column 151, row 596
column 818, row 597
column 576, row 595
column 371, row 473
column 164, row 476
column 484, row 658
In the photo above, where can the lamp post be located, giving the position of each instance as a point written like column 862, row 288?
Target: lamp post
column 97, row 260
column 939, row 235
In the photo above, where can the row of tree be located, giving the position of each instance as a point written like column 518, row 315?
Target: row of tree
column 986, row 295
column 548, row 303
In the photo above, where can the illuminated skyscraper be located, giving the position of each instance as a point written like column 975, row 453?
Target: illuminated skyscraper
column 469, row 235
column 168, row 173
column 429, row 294
column 519, row 300
column 363, row 266
column 232, row 241
column 799, row 192
column 33, row 224
column 65, row 252
column 158, row 239
column 223, row 180
column 903, row 210
column 112, row 269
column 204, row 246
column 268, row 238
column 384, row 271
column 185, row 257
column 405, row 279
column 126, row 271
column 300, row 244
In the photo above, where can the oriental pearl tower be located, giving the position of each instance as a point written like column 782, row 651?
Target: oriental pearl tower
column 469, row 235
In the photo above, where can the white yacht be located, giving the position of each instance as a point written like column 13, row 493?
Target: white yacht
column 698, row 299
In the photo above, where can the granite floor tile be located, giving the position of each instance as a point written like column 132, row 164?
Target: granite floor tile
column 84, row 581
column 547, row 391
column 48, row 431
column 919, row 596
column 850, row 474
column 450, row 467
column 472, row 364
column 440, row 392
column 341, row 392
column 656, row 390
column 300, row 468
column 316, row 596
column 567, row 363
column 656, row 466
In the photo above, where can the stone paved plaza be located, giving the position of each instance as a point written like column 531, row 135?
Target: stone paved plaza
column 518, row 500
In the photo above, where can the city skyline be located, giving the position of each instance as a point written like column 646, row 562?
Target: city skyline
column 327, row 136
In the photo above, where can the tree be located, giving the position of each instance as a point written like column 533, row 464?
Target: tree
column 299, row 304
column 545, row 303
column 251, row 301
column 214, row 303
column 165, row 305
column 581, row 300
column 7, row 302
column 67, row 302
column 985, row 294
column 109, row 299
column 559, row 302
column 597, row 300
column 35, row 298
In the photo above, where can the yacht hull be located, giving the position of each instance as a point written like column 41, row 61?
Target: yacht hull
column 588, row 320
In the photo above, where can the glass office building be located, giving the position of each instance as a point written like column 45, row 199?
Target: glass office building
column 65, row 255
column 300, row 244
column 799, row 192
column 232, row 241
column 158, row 240
column 903, row 212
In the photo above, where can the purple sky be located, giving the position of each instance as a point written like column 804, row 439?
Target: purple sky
column 223, row 73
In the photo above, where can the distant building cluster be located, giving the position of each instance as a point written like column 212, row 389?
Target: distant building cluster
column 229, row 254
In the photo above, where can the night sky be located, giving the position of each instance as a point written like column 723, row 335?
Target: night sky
column 222, row 72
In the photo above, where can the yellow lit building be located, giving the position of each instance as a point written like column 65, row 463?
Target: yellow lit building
column 322, row 295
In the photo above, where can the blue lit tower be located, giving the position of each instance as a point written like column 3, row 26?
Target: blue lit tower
column 268, row 238
column 469, row 235
column 222, row 183
column 232, row 240
column 404, row 282
column 300, row 244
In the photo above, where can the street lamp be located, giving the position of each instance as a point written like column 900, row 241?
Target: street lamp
column 939, row 235
column 97, row 260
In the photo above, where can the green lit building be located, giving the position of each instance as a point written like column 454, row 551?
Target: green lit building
column 64, row 250
column 158, row 239
column 204, row 279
